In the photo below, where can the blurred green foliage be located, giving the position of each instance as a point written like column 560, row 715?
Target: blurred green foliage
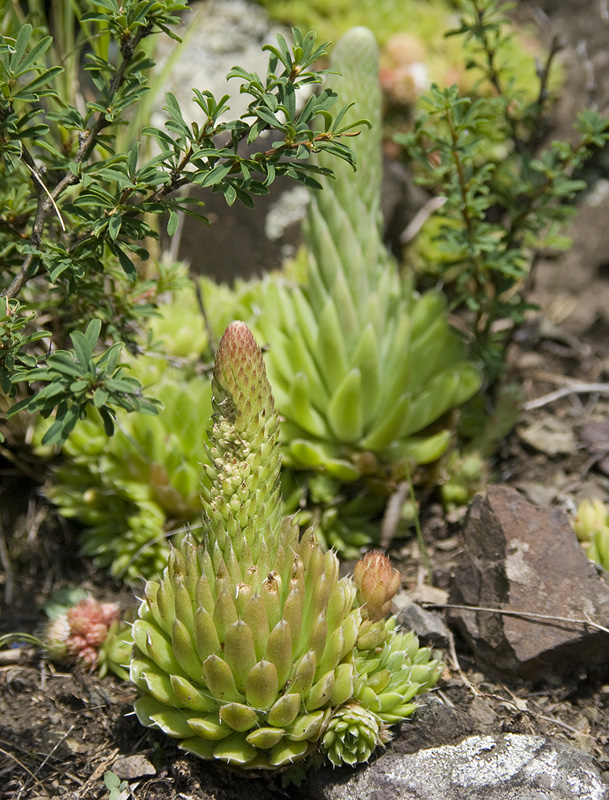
column 80, row 204
column 506, row 194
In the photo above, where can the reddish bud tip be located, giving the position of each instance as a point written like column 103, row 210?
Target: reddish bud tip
column 239, row 372
column 377, row 582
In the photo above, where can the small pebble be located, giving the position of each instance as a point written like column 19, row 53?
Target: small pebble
column 132, row 767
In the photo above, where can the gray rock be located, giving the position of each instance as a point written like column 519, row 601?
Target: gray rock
column 133, row 767
column 522, row 558
column 428, row 625
column 243, row 242
column 216, row 36
column 510, row 767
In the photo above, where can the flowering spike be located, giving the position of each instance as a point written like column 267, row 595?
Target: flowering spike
column 247, row 647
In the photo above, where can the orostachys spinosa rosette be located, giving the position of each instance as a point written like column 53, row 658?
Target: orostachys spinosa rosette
column 250, row 649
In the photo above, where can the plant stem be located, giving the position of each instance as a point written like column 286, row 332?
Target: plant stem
column 419, row 532
column 46, row 203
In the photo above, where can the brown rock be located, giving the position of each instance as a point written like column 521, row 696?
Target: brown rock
column 522, row 558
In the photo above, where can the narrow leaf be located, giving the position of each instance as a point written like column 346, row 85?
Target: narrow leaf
column 83, row 349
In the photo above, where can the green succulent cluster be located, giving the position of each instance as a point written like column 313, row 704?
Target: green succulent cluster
column 591, row 525
column 131, row 490
column 250, row 649
column 361, row 366
column 364, row 370
column 365, row 373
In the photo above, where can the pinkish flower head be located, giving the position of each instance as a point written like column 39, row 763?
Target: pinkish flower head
column 377, row 582
column 80, row 632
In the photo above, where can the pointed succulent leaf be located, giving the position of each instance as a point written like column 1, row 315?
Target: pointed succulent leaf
column 184, row 650
column 319, row 635
column 331, row 352
column 284, row 710
column 301, row 407
column 304, row 673
column 254, row 615
column 205, row 634
column 265, row 738
column 166, row 604
column 321, row 692
column 239, row 652
column 152, row 642
column 225, row 613
column 343, row 685
column 239, row 716
column 189, row 696
column 151, row 712
column 150, row 603
column 293, row 613
column 346, row 409
column 307, row 726
column 340, row 603
column 159, row 686
column 288, row 752
column 271, row 595
column 209, row 727
column 262, row 685
column 203, row 748
column 219, row 678
column 366, row 359
column 421, row 449
column 279, row 650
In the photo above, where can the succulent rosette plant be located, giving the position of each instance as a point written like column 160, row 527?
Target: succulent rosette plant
column 591, row 526
column 361, row 366
column 367, row 374
column 91, row 634
column 131, row 490
column 250, row 649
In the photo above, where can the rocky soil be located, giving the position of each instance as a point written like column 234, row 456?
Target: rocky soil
column 517, row 714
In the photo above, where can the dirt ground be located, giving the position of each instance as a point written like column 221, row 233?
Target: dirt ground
column 61, row 731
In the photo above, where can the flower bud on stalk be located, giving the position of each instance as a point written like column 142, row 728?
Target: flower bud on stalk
column 377, row 582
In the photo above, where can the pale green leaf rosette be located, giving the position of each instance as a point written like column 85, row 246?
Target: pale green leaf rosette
column 353, row 735
column 361, row 366
column 391, row 670
column 392, row 674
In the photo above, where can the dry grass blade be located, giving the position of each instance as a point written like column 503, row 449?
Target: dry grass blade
column 26, row 770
